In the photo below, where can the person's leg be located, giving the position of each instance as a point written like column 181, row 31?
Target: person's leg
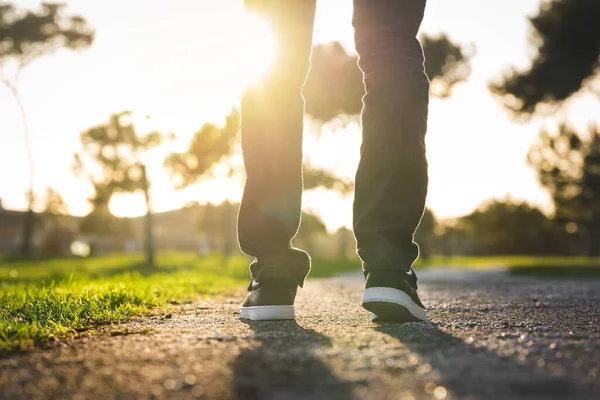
column 271, row 123
column 391, row 181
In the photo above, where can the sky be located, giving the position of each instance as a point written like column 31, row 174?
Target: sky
column 179, row 64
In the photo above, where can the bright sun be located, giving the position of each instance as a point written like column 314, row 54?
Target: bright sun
column 258, row 47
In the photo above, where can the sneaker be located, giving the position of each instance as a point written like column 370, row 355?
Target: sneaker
column 392, row 297
column 269, row 300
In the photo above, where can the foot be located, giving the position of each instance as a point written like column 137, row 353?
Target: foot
column 269, row 300
column 392, row 297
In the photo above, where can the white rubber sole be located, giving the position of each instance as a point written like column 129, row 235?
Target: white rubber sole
column 262, row 313
column 393, row 303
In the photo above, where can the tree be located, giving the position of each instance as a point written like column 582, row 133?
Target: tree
column 314, row 177
column 210, row 146
column 111, row 161
column 218, row 225
column 334, row 85
column 568, row 165
column 446, row 63
column 508, row 228
column 24, row 38
column 213, row 145
column 53, row 203
column 566, row 36
column 57, row 236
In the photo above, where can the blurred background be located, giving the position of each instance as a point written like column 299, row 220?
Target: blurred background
column 119, row 128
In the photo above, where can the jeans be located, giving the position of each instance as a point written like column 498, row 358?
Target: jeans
column 391, row 181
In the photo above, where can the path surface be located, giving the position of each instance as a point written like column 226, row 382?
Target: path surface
column 494, row 338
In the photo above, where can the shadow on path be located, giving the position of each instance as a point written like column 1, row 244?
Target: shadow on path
column 477, row 372
column 285, row 365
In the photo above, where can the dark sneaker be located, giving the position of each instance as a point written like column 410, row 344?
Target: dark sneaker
column 392, row 297
column 273, row 299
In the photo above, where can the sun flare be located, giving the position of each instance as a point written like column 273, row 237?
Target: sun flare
column 258, row 48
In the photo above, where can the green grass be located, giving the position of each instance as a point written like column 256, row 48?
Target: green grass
column 543, row 267
column 509, row 261
column 56, row 298
column 40, row 300
column 584, row 271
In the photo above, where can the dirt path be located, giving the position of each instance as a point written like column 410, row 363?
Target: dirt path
column 494, row 338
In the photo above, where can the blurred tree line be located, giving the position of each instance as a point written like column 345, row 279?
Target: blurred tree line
column 566, row 37
column 564, row 33
column 496, row 227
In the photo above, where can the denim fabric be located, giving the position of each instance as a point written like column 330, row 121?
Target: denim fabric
column 391, row 181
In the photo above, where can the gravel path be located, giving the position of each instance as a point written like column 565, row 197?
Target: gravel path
column 494, row 337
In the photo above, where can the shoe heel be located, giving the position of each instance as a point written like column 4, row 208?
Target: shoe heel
column 265, row 313
column 392, row 305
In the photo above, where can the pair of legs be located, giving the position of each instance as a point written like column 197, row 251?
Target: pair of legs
column 391, row 181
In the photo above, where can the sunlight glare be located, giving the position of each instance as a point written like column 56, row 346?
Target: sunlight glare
column 258, row 48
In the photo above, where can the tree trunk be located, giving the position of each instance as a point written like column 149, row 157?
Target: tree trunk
column 149, row 225
column 29, row 222
column 27, row 240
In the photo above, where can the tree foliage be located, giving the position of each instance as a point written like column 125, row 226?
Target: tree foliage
column 508, row 228
column 314, row 177
column 116, row 148
column 210, row 145
column 335, row 83
column 111, row 159
column 25, row 36
column 213, row 145
column 568, row 165
column 53, row 203
column 446, row 63
column 566, row 36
